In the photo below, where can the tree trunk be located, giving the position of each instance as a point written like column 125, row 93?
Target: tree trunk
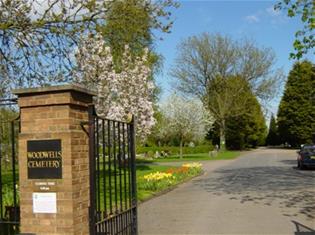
column 222, row 135
column 181, row 149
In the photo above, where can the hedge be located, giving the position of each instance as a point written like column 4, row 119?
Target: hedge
column 174, row 150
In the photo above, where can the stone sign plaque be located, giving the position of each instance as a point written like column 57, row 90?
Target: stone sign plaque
column 44, row 159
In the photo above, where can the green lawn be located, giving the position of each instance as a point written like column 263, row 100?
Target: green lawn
column 226, row 155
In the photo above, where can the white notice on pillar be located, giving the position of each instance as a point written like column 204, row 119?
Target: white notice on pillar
column 45, row 203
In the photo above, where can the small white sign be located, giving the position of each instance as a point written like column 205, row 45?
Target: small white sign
column 45, row 203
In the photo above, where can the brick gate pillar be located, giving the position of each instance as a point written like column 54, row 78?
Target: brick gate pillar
column 53, row 160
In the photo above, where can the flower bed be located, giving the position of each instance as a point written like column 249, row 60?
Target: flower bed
column 159, row 181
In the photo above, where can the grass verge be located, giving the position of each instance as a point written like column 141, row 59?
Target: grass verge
column 226, row 155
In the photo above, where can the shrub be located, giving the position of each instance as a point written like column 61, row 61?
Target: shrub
column 7, row 195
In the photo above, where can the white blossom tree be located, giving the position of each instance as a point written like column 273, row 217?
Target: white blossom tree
column 38, row 37
column 184, row 119
column 120, row 93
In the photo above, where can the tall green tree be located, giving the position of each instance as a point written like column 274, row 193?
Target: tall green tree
column 205, row 65
column 247, row 130
column 305, row 38
column 296, row 115
column 272, row 137
column 227, row 98
column 132, row 22
column 127, row 23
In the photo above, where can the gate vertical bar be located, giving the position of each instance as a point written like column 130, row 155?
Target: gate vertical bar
column 129, row 165
column 92, row 169
column 120, row 166
column 98, row 169
column 104, row 146
column 13, row 170
column 109, row 167
column 115, row 165
column 125, row 165
column 133, row 176
column 1, row 199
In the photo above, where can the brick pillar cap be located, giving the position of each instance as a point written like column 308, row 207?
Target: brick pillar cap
column 58, row 88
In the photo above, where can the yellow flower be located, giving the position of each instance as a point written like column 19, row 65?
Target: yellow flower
column 192, row 165
column 156, row 176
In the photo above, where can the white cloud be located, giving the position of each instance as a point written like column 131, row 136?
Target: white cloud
column 270, row 15
column 252, row 19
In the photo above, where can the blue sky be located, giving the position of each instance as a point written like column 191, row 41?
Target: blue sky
column 252, row 19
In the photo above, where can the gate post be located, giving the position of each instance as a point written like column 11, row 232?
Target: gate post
column 54, row 160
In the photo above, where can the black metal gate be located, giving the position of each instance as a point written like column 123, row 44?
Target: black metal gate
column 113, row 200
column 9, row 196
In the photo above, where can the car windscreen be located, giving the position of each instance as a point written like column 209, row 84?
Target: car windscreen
column 309, row 149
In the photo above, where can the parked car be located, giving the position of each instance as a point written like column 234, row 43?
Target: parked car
column 306, row 156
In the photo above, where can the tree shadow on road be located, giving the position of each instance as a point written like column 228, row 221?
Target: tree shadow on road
column 292, row 188
column 302, row 229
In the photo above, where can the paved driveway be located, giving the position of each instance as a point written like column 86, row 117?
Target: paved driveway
column 258, row 193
